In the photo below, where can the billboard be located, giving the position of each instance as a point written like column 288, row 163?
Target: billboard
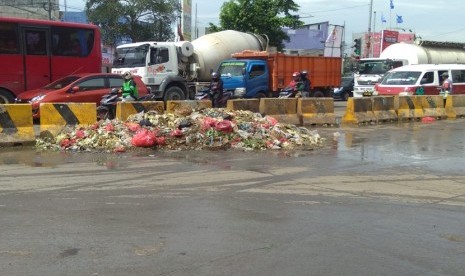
column 388, row 37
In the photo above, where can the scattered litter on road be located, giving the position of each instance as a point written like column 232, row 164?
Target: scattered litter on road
column 211, row 129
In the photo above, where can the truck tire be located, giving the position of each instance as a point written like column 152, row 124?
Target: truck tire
column 260, row 95
column 174, row 93
column 318, row 94
column 6, row 97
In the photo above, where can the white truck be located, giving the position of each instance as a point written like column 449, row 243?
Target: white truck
column 371, row 70
column 173, row 70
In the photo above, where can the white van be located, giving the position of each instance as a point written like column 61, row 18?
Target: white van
column 412, row 79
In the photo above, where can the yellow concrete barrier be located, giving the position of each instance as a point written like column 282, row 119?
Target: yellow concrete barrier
column 284, row 110
column 244, row 104
column 384, row 108
column 16, row 124
column 172, row 106
column 433, row 106
column 125, row 109
column 316, row 111
column 55, row 116
column 359, row 110
column 455, row 106
column 410, row 107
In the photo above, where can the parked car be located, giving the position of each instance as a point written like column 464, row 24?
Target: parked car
column 77, row 88
column 346, row 89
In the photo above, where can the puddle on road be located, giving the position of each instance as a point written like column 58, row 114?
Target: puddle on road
column 439, row 145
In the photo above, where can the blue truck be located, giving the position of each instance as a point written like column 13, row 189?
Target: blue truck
column 258, row 74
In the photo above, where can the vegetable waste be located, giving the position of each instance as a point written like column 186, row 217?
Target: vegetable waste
column 205, row 129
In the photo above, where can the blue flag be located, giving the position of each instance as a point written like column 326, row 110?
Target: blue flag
column 391, row 5
column 399, row 19
column 383, row 19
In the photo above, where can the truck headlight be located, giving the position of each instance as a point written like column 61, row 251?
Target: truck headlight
column 239, row 92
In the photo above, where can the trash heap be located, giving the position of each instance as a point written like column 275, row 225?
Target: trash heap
column 186, row 129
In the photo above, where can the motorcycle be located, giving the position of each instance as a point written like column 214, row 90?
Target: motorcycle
column 107, row 107
column 288, row 92
column 217, row 100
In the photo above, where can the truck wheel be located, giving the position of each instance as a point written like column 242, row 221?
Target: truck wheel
column 346, row 96
column 260, row 95
column 318, row 94
column 6, row 97
column 174, row 93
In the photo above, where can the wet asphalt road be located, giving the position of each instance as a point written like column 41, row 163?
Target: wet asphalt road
column 375, row 200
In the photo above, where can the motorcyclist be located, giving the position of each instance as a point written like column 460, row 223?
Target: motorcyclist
column 296, row 84
column 129, row 88
column 306, row 82
column 216, row 88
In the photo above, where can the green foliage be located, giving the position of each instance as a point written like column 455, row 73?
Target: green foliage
column 261, row 17
column 138, row 19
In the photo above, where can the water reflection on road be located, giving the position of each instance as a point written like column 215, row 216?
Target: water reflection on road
column 438, row 146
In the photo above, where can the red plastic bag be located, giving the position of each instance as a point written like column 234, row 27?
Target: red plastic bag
column 208, row 123
column 428, row 119
column 271, row 120
column 143, row 138
column 224, row 126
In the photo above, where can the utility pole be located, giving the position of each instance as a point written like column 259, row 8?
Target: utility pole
column 368, row 43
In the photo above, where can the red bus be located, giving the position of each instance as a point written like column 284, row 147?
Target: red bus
column 35, row 52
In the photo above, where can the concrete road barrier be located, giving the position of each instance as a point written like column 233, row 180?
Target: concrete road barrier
column 410, row 107
column 172, row 106
column 384, row 108
column 433, row 106
column 55, row 116
column 359, row 110
column 244, row 104
column 125, row 109
column 284, row 110
column 316, row 111
column 16, row 124
column 455, row 106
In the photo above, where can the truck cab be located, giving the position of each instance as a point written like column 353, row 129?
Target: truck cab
column 371, row 71
column 248, row 78
column 157, row 63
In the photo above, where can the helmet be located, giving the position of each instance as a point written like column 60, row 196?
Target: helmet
column 127, row 75
column 304, row 73
column 445, row 74
column 296, row 76
column 215, row 76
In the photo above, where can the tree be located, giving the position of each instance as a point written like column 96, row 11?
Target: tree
column 261, row 17
column 138, row 20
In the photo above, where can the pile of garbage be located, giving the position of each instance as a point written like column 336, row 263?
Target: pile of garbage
column 186, row 129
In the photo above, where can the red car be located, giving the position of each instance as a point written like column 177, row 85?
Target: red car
column 77, row 88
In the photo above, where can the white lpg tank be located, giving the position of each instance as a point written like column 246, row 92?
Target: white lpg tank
column 433, row 53
column 211, row 49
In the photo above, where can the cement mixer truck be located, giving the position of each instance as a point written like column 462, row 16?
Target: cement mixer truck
column 173, row 70
column 371, row 70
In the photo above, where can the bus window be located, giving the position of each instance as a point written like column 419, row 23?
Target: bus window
column 8, row 39
column 72, row 41
column 36, row 43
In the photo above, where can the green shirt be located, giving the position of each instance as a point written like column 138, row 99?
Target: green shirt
column 129, row 88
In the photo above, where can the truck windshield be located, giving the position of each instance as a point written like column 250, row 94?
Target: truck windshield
column 373, row 67
column 130, row 57
column 231, row 69
column 377, row 67
column 401, row 78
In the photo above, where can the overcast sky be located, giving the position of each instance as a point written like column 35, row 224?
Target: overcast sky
column 439, row 20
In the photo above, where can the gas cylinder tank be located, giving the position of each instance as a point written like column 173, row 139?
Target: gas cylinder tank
column 433, row 53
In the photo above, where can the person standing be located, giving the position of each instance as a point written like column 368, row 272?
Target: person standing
column 447, row 85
